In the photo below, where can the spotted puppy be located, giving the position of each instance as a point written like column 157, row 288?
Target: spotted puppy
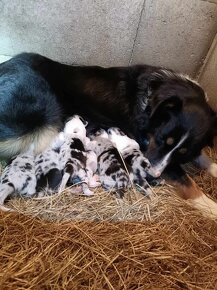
column 133, row 157
column 18, row 177
column 112, row 172
column 47, row 167
column 73, row 154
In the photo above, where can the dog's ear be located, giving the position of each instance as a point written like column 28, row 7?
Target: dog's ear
column 162, row 109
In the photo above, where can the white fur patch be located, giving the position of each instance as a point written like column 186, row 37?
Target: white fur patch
column 161, row 165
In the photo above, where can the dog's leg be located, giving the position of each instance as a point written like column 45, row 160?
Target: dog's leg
column 189, row 190
column 204, row 162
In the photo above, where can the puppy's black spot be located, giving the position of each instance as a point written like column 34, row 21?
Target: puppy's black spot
column 57, row 150
column 129, row 159
column 79, row 156
column 5, row 181
column 53, row 164
column 144, row 164
column 77, row 144
column 112, row 169
column 11, row 184
column 28, row 166
column 69, row 168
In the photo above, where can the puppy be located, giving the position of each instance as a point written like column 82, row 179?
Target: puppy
column 47, row 166
column 112, row 172
column 18, row 177
column 139, row 165
column 73, row 154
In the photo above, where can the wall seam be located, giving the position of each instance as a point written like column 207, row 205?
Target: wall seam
column 136, row 34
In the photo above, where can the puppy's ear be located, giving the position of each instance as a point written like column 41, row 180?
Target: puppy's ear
column 163, row 108
column 83, row 121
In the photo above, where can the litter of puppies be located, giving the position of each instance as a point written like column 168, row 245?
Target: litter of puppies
column 73, row 159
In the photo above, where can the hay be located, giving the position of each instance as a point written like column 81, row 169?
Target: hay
column 101, row 242
column 176, row 251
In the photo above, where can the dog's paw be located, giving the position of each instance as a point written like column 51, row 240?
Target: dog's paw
column 212, row 170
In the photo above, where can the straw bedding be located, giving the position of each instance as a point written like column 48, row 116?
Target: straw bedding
column 101, row 242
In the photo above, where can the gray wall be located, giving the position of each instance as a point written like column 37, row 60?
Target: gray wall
column 208, row 75
column 173, row 33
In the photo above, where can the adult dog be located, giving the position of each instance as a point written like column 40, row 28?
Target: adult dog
column 166, row 112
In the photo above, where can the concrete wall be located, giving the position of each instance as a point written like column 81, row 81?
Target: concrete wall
column 208, row 75
column 173, row 33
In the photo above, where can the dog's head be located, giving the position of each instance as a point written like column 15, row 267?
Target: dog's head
column 181, row 122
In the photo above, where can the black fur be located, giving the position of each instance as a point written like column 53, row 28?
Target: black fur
column 27, row 100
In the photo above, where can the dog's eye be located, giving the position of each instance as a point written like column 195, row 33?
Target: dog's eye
column 170, row 141
column 183, row 150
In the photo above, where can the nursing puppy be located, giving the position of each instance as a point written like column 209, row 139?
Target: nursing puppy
column 112, row 172
column 48, row 167
column 18, row 177
column 164, row 111
column 133, row 157
column 73, row 154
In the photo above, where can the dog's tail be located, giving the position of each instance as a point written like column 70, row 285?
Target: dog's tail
column 29, row 111
column 40, row 139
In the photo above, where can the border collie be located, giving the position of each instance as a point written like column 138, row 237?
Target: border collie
column 165, row 112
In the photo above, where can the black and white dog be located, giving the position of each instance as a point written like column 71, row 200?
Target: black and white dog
column 166, row 112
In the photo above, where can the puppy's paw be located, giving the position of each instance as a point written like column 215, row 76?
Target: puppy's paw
column 88, row 192
column 94, row 181
column 212, row 170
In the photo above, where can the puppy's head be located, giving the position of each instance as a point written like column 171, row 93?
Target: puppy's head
column 181, row 121
column 99, row 142
column 75, row 127
column 99, row 133
column 120, row 140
